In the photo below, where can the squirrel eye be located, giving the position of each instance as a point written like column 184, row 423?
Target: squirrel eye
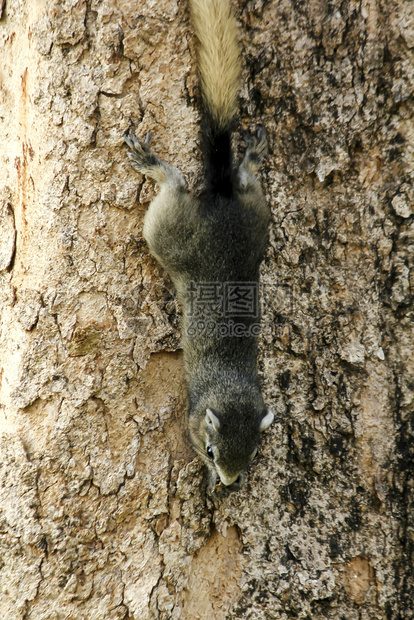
column 209, row 452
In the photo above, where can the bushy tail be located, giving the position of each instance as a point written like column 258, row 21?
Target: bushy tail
column 219, row 70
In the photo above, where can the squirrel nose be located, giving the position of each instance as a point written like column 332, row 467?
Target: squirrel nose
column 228, row 480
column 238, row 483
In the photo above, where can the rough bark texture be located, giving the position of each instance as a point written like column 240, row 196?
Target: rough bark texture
column 103, row 513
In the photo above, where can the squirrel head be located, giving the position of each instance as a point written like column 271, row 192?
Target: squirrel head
column 226, row 438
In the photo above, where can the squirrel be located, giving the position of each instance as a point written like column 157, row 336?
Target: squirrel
column 212, row 248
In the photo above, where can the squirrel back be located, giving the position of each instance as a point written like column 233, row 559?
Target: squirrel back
column 210, row 246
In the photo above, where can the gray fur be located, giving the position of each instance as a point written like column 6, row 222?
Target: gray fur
column 227, row 244
column 220, row 238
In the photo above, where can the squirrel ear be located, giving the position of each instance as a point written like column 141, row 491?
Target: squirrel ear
column 266, row 420
column 213, row 419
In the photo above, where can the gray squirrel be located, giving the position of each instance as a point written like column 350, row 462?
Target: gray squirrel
column 210, row 246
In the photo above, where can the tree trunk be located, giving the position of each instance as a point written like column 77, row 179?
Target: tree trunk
column 103, row 510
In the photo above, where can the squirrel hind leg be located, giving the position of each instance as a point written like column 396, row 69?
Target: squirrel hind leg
column 145, row 161
column 254, row 156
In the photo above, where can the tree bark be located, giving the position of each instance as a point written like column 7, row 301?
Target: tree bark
column 103, row 511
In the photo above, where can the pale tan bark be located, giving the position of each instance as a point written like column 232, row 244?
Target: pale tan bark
column 103, row 512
